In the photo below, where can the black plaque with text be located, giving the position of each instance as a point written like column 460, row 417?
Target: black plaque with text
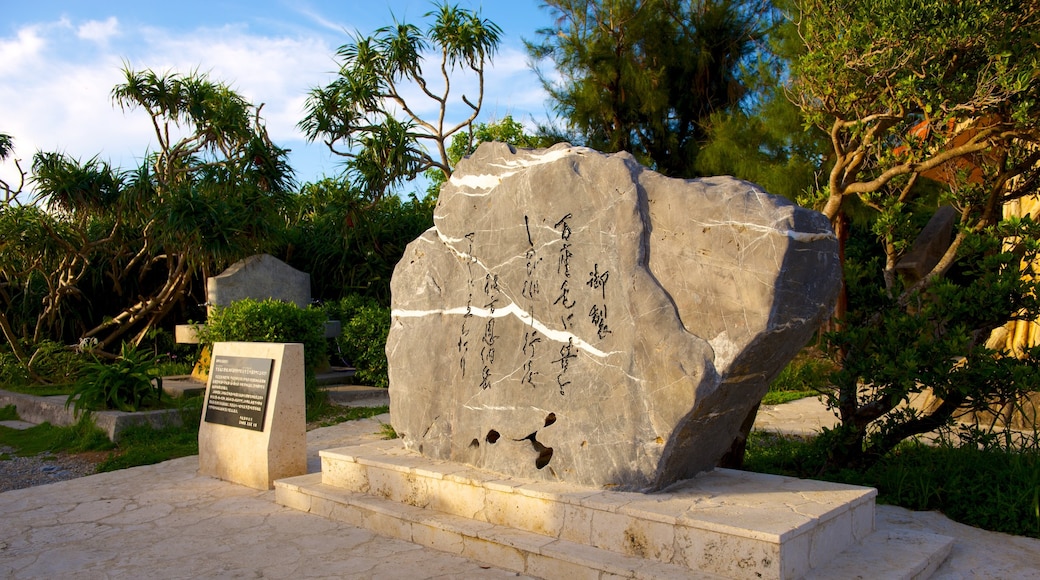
column 238, row 391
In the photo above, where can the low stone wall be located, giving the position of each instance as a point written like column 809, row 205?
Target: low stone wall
column 52, row 410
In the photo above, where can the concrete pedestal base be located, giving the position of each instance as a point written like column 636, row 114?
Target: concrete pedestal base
column 724, row 523
column 257, row 458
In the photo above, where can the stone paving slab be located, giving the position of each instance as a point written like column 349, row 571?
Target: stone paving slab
column 165, row 521
column 20, row 425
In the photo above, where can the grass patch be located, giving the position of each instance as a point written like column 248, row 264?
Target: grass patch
column 335, row 414
column 808, row 375
column 993, row 489
column 138, row 445
column 142, row 444
column 145, row 445
column 47, row 438
column 9, row 413
column 387, row 431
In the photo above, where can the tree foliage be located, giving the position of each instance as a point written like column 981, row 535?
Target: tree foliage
column 896, row 358
column 348, row 242
column 919, row 88
column 645, row 76
column 211, row 193
column 8, row 190
column 926, row 104
column 355, row 114
column 508, row 130
column 766, row 140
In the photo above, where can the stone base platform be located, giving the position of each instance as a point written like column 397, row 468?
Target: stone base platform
column 721, row 524
column 52, row 409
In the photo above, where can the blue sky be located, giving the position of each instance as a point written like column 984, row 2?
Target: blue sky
column 60, row 59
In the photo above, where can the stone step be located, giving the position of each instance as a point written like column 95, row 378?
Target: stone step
column 889, row 555
column 728, row 523
column 18, row 425
column 500, row 546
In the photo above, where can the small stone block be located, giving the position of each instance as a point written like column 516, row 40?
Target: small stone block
column 388, row 525
column 345, row 474
column 541, row 566
column 434, row 536
column 829, row 538
column 496, row 554
column 623, row 534
column 525, row 513
column 457, row 498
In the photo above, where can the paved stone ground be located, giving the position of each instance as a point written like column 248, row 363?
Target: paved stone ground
column 165, row 521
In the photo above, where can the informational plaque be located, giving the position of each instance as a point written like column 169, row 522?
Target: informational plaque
column 238, row 391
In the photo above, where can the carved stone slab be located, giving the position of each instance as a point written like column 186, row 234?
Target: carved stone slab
column 259, row 277
column 573, row 316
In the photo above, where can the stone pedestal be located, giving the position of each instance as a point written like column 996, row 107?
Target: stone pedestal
column 248, row 436
column 720, row 524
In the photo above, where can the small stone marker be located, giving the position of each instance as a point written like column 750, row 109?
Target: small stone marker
column 254, row 427
column 573, row 316
column 259, row 276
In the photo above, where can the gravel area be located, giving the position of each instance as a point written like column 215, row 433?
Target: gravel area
column 20, row 472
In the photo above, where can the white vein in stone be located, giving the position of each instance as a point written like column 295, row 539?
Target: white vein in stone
column 514, row 310
column 766, row 229
column 486, row 182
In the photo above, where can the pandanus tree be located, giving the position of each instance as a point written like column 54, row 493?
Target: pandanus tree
column 210, row 193
column 363, row 115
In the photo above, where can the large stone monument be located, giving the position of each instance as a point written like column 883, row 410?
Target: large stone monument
column 573, row 316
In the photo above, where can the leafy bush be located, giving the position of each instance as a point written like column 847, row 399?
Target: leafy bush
column 12, row 372
column 363, row 340
column 933, row 337
column 996, row 489
column 348, row 242
column 270, row 320
column 125, row 384
column 54, row 362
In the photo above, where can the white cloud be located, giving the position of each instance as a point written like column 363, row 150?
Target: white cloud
column 99, row 31
column 20, row 51
column 67, row 105
column 277, row 72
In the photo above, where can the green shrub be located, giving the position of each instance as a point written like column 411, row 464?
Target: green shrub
column 12, row 372
column 270, row 320
column 55, row 363
column 363, row 340
column 125, row 384
column 996, row 489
